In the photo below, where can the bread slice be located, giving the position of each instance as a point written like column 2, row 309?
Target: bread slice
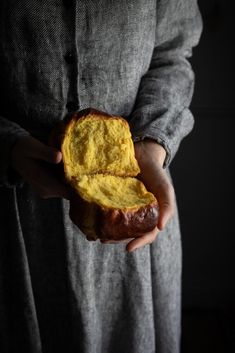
column 98, row 144
column 99, row 163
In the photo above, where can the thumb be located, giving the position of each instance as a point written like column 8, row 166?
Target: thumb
column 166, row 204
column 46, row 153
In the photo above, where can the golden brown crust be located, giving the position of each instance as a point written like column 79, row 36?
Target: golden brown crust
column 59, row 131
column 116, row 224
column 82, row 114
column 84, row 215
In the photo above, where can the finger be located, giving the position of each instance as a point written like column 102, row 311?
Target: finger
column 166, row 211
column 145, row 239
column 107, row 241
column 45, row 182
column 166, row 200
column 159, row 184
column 54, row 188
column 46, row 153
column 44, row 193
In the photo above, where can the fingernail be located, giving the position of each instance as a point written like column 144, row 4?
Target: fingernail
column 133, row 249
column 161, row 225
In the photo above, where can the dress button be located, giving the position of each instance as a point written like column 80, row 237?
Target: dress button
column 70, row 58
column 67, row 3
column 72, row 106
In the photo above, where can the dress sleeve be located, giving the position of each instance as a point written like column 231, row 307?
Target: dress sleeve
column 161, row 110
column 9, row 133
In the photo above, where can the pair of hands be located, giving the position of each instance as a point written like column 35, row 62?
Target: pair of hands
column 36, row 162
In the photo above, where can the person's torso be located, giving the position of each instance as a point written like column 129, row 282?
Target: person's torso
column 60, row 55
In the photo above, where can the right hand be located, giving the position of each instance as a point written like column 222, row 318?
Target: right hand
column 36, row 163
column 150, row 156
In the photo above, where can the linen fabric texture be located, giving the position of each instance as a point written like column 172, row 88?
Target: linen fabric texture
column 57, row 290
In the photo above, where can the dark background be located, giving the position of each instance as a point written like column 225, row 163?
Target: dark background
column 203, row 174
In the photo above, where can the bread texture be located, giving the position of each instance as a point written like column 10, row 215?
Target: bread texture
column 98, row 144
column 108, row 201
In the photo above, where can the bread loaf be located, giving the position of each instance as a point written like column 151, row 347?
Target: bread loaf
column 107, row 202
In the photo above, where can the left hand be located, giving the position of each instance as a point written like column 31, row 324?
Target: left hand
column 36, row 163
column 150, row 156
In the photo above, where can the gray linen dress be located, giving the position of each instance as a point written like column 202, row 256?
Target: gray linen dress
column 58, row 291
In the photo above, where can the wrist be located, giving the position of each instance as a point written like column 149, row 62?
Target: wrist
column 149, row 148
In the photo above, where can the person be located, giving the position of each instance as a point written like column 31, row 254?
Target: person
column 59, row 291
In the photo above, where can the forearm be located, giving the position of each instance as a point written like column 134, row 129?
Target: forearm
column 162, row 104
